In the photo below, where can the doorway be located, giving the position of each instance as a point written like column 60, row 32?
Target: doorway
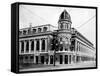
column 51, row 59
column 37, row 59
column 61, row 59
column 66, row 59
column 42, row 59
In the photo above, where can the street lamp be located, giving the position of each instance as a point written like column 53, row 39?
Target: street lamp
column 55, row 45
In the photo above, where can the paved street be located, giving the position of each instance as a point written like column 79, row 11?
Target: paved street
column 64, row 66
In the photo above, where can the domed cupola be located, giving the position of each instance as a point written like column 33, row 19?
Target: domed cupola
column 65, row 16
column 64, row 21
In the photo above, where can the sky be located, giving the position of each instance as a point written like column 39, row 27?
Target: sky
column 84, row 20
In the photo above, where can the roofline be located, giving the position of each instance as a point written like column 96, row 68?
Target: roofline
column 39, row 26
column 83, row 36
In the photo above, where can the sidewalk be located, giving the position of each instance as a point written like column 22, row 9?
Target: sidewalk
column 61, row 66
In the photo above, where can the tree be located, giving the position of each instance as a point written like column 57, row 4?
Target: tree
column 55, row 44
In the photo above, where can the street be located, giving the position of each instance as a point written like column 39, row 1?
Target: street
column 60, row 66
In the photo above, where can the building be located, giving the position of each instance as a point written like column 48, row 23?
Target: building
column 35, row 44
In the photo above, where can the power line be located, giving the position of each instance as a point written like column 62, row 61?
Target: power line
column 86, row 21
column 35, row 14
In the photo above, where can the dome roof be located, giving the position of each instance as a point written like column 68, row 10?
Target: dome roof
column 65, row 16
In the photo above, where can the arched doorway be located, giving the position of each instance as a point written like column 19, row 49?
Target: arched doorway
column 66, row 59
column 51, row 59
column 37, row 59
column 61, row 59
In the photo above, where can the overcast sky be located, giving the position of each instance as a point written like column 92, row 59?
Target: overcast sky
column 82, row 19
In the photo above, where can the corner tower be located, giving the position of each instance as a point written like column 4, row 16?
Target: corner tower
column 64, row 29
column 64, row 22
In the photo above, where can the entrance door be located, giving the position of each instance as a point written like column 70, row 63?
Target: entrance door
column 61, row 59
column 66, row 59
column 36, row 59
column 51, row 59
column 42, row 59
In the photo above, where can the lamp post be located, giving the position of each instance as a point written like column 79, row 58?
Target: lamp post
column 55, row 45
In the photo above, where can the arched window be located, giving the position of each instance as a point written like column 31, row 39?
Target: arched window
column 22, row 46
column 43, row 44
column 61, row 47
column 20, row 32
column 66, row 49
column 29, row 31
column 37, row 45
column 61, row 26
column 32, row 46
column 45, row 29
column 34, row 30
column 24, row 32
column 39, row 29
column 27, row 46
column 61, row 39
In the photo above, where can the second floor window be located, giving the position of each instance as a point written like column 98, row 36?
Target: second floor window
column 45, row 29
column 39, row 29
column 34, row 30
column 43, row 44
column 24, row 32
column 20, row 32
column 22, row 46
column 37, row 45
column 32, row 46
column 27, row 46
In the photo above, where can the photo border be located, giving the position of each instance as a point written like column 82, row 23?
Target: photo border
column 52, row 5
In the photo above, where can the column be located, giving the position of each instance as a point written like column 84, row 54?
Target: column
column 63, row 58
column 45, row 45
column 75, row 59
column 68, row 48
column 68, row 59
column 78, row 46
column 19, row 46
column 34, row 50
column 40, row 45
column 34, row 45
column 24, row 46
column 29, row 46
column 49, row 60
column 71, row 58
column 80, row 58
column 63, row 48
column 75, row 45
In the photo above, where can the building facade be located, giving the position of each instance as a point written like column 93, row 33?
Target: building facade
column 35, row 44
